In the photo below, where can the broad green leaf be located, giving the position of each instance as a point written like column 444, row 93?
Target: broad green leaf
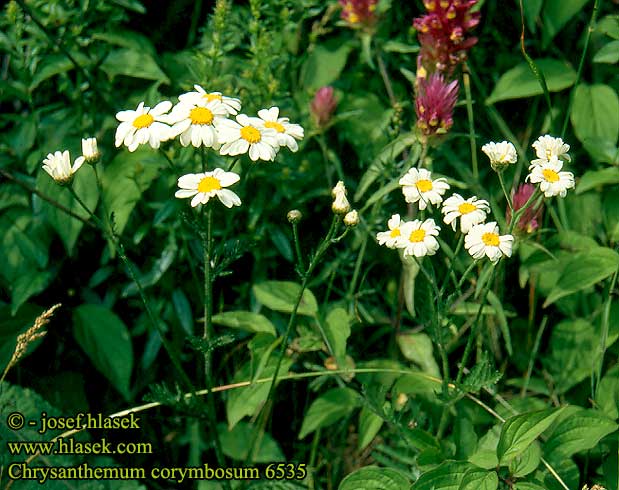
column 156, row 272
column 134, row 5
column 579, row 432
column 126, row 39
column 26, row 286
column 13, row 325
column 607, row 393
column 249, row 399
column 479, row 479
column 234, row 444
column 366, row 131
column 527, row 485
column 566, row 364
column 603, row 151
column 597, row 178
column 532, row 9
column 374, row 478
column 324, row 64
column 125, row 179
column 519, row 431
column 520, row 82
column 55, row 64
column 105, row 339
column 527, row 462
column 583, row 271
column 609, row 53
column 566, row 469
column 369, row 426
column 485, row 453
column 182, row 308
column 337, row 331
column 595, row 113
column 328, row 409
column 609, row 26
column 447, row 476
column 245, row 320
column 85, row 186
column 417, row 347
column 283, row 295
column 400, row 47
column 134, row 64
column 556, row 14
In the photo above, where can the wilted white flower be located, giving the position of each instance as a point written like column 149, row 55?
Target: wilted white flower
column 500, row 154
column 340, row 201
column 196, row 121
column 418, row 238
column 89, row 150
column 58, row 166
column 484, row 239
column 287, row 133
column 471, row 211
column 351, row 218
column 548, row 146
column 552, row 182
column 144, row 125
column 390, row 238
column 205, row 185
column 232, row 105
column 247, row 134
column 417, row 185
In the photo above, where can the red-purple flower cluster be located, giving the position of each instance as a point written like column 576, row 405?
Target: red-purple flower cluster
column 359, row 12
column 443, row 34
column 435, row 103
column 528, row 222
column 323, row 106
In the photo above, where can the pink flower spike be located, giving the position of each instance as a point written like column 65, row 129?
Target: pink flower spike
column 435, row 104
column 359, row 13
column 323, row 106
column 529, row 221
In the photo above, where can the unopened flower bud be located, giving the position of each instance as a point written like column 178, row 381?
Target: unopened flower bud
column 501, row 154
column 294, row 216
column 323, row 106
column 352, row 218
column 340, row 202
column 89, row 150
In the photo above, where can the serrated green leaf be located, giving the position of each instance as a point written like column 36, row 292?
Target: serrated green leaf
column 282, row 296
column 374, row 478
column 579, row 432
column 520, row 82
column 519, row 431
column 527, row 462
column 447, row 476
column 369, row 426
column 329, row 408
column 245, row 320
column 583, row 271
column 105, row 339
column 607, row 393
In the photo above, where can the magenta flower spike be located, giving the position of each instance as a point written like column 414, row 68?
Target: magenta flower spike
column 434, row 104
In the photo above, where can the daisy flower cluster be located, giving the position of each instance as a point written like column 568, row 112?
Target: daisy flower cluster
column 417, row 238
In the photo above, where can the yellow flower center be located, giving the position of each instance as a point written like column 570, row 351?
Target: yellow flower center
column 275, row 125
column 548, row 153
column 250, row 134
column 417, row 236
column 211, row 97
column 208, row 184
column 424, row 185
column 490, row 239
column 395, row 233
column 550, row 175
column 466, row 208
column 143, row 121
column 200, row 115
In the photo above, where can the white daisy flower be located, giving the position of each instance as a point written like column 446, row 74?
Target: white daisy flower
column 418, row 238
column 471, row 211
column 417, row 185
column 548, row 146
column 287, row 133
column 340, row 201
column 205, row 185
column 500, row 154
column 232, row 105
column 247, row 134
column 195, row 122
column 90, row 151
column 58, row 166
column 144, row 125
column 391, row 237
column 552, row 182
column 484, row 239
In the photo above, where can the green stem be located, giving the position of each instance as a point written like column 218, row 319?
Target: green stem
column 207, row 244
column 470, row 114
column 505, row 193
column 538, row 339
column 604, row 334
column 325, row 155
column 451, row 265
column 297, row 246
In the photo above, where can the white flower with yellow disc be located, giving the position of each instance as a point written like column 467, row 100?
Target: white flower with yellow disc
column 287, row 132
column 58, row 166
column 548, row 146
column 232, row 105
column 144, row 125
column 390, row 237
column 418, row 238
column 485, row 240
column 196, row 122
column 418, row 186
column 204, row 186
column 247, row 135
column 552, row 182
column 471, row 211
